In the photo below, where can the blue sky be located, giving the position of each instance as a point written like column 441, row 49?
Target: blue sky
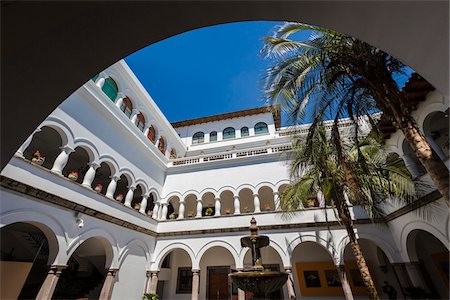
column 207, row 71
column 203, row 72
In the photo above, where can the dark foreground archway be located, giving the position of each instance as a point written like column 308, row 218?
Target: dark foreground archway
column 49, row 49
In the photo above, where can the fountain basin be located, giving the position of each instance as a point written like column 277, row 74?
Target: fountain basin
column 260, row 283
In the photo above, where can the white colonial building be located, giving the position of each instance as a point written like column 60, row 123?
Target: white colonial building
column 107, row 199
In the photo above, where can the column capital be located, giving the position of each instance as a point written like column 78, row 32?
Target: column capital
column 288, row 269
column 67, row 149
column 276, row 193
column 112, row 272
column 236, row 197
column 217, row 198
column 195, row 271
column 115, row 177
column 255, row 195
column 145, row 196
column 131, row 187
column 120, row 95
column 94, row 165
column 199, row 200
column 56, row 269
column 182, row 202
column 164, row 204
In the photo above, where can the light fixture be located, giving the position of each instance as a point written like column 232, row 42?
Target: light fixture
column 79, row 220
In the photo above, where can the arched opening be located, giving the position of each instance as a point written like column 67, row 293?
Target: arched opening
column 150, row 204
column 152, row 134
column 244, row 132
column 226, row 201
column 246, row 200
column 45, row 143
column 173, row 153
column 126, row 107
column 266, row 199
column 190, row 202
column 85, row 272
column 314, row 272
column 110, row 88
column 25, row 253
column 137, row 198
column 121, row 188
column 435, row 128
column 209, row 208
column 272, row 261
column 261, row 128
column 412, row 162
column 173, row 208
column 162, row 145
column 379, row 266
column 198, row 138
column 229, row 133
column 140, row 121
column 175, row 279
column 213, row 136
column 430, row 261
column 77, row 165
column 215, row 265
column 102, row 178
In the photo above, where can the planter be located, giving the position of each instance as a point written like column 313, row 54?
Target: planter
column 137, row 206
column 98, row 188
column 119, row 197
column 72, row 176
column 39, row 160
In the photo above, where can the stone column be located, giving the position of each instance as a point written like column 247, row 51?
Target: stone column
column 134, row 115
column 241, row 294
column 119, row 100
column 90, row 174
column 237, row 205
column 112, row 186
column 100, row 81
column 61, row 160
column 256, row 203
column 195, row 284
column 27, row 143
column 290, row 284
column 146, row 128
column 402, row 275
column 217, row 206
column 143, row 204
column 129, row 196
column 345, row 283
column 199, row 208
column 181, row 210
column 276, row 199
column 108, row 285
column 416, row 276
column 48, row 287
column 164, row 211
column 155, row 210
column 154, row 282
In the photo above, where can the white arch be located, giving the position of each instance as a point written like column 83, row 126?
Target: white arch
column 208, row 190
column 155, row 193
column 226, row 188
column 65, row 132
column 157, row 261
column 245, row 186
column 54, row 231
column 280, row 183
column 264, row 184
column 111, row 161
column 89, row 147
column 121, row 86
column 105, row 237
column 228, row 246
column 129, row 175
column 133, row 243
column 143, row 184
column 427, row 110
column 326, row 244
column 193, row 192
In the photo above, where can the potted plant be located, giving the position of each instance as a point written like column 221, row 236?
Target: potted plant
column 119, row 197
column 209, row 211
column 227, row 211
column 246, row 209
column 137, row 206
column 266, row 207
column 73, row 175
column 98, row 187
column 190, row 214
column 38, row 158
column 150, row 296
column 173, row 216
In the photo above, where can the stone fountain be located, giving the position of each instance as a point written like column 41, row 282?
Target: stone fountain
column 261, row 282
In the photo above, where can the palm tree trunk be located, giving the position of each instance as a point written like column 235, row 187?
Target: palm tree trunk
column 345, row 216
column 434, row 166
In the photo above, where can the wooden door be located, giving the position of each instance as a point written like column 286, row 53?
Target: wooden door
column 218, row 287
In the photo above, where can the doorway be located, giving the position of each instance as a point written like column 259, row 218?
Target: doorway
column 218, row 285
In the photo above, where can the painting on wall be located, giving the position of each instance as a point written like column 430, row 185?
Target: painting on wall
column 332, row 277
column 312, row 279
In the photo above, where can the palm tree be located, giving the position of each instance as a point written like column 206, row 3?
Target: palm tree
column 324, row 163
column 338, row 72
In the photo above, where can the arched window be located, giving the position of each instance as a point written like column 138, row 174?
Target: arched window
column 198, row 138
column 94, row 78
column 244, row 131
column 140, row 121
column 213, row 136
column 261, row 128
column 152, row 134
column 162, row 145
column 173, row 153
column 229, row 133
column 110, row 88
column 126, row 107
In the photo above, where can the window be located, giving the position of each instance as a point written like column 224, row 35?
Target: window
column 140, row 121
column 213, row 136
column 173, row 154
column 94, row 78
column 162, row 145
column 261, row 128
column 198, row 138
column 184, row 281
column 110, row 88
column 229, row 133
column 244, row 131
column 152, row 134
column 126, row 107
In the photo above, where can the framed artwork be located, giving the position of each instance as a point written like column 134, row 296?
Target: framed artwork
column 312, row 279
column 332, row 277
